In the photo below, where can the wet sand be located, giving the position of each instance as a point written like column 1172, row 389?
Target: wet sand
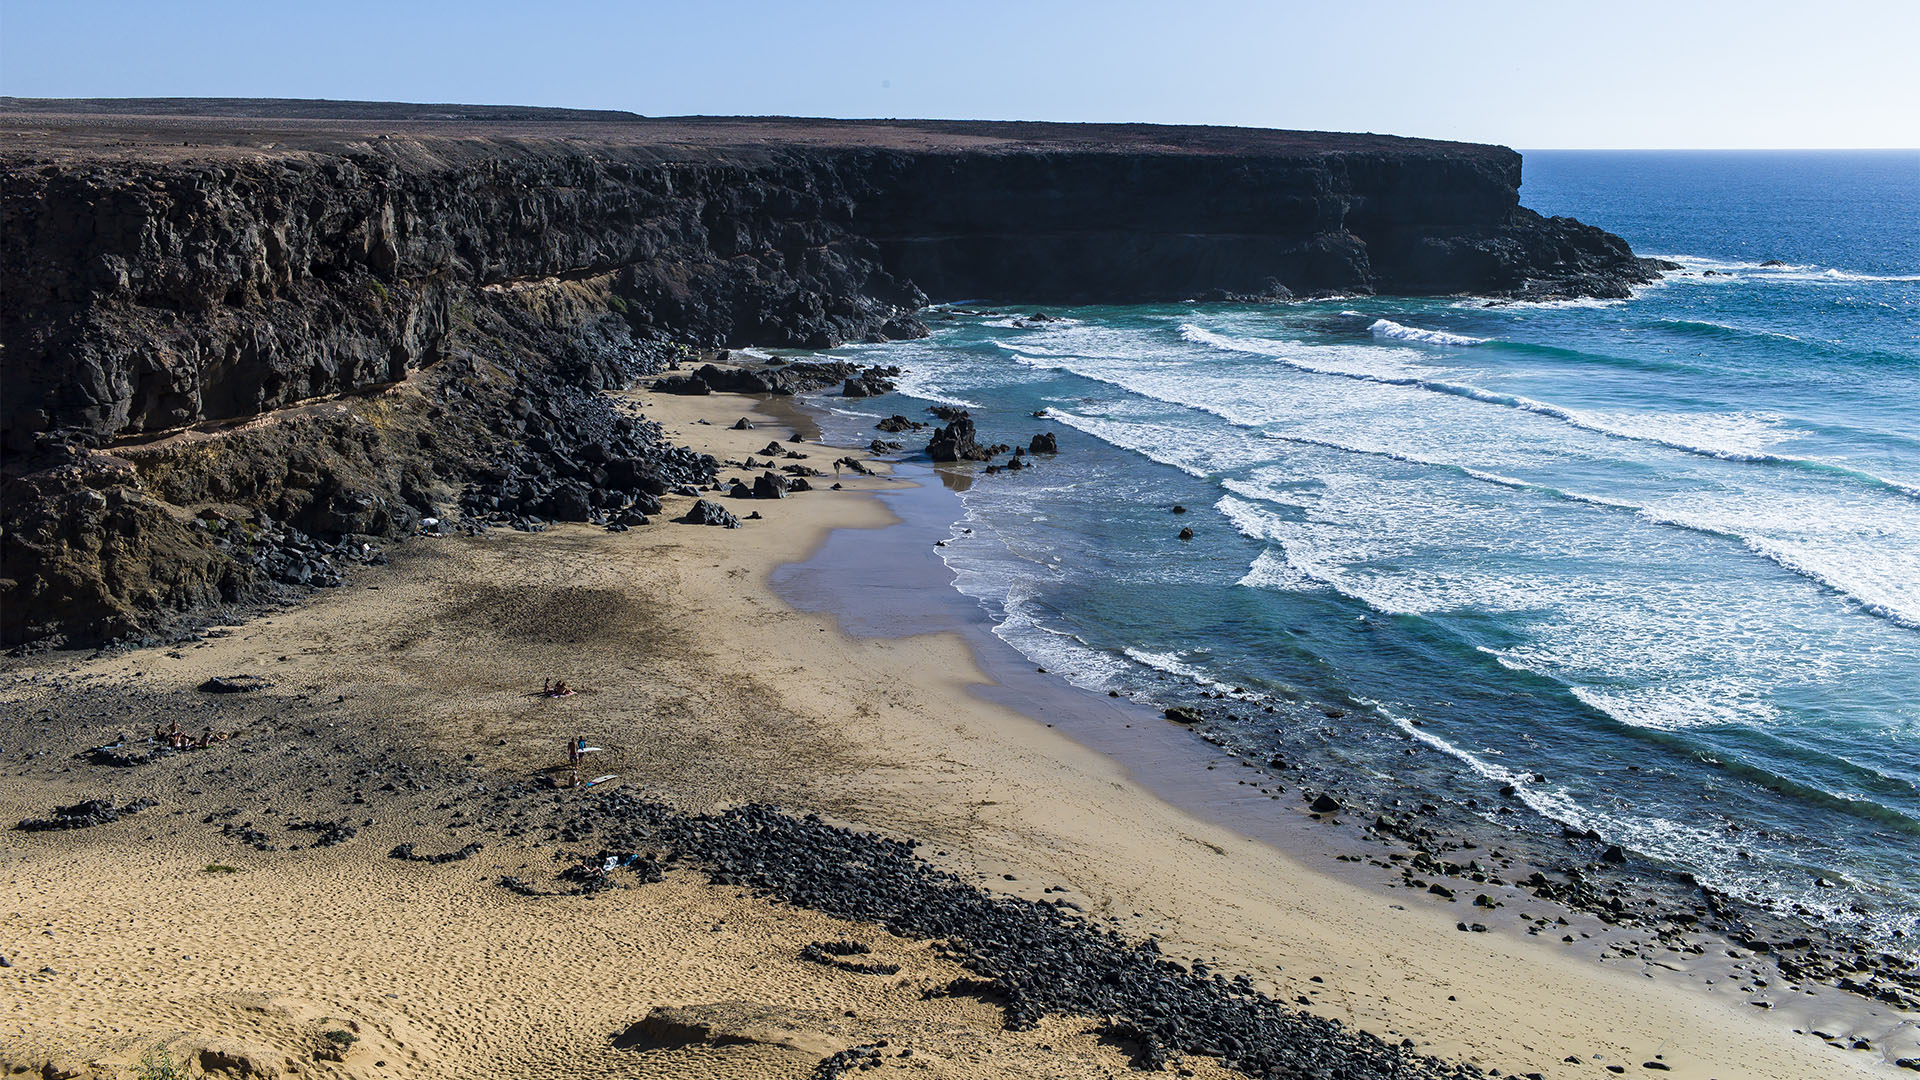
column 707, row 689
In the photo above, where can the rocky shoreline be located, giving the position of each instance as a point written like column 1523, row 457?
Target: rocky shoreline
column 1651, row 913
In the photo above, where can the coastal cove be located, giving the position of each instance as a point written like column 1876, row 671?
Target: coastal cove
column 499, row 591
column 886, row 733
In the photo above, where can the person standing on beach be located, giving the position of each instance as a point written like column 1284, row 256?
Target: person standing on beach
column 575, row 751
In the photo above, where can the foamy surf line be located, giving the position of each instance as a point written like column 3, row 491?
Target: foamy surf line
column 1387, row 328
column 1863, row 596
column 1867, row 599
column 1572, row 417
column 1775, row 270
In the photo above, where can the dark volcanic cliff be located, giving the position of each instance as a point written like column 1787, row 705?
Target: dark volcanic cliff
column 164, row 271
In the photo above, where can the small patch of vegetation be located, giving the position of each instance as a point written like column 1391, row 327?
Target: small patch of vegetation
column 340, row 1038
column 220, row 868
column 378, row 290
column 158, row 1064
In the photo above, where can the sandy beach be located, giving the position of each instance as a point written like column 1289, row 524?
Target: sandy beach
column 706, row 691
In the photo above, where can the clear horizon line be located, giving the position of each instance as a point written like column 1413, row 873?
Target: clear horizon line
column 896, row 119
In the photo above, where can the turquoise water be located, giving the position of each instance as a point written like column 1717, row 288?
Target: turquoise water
column 1655, row 562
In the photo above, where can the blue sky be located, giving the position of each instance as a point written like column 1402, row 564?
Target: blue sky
column 1619, row 73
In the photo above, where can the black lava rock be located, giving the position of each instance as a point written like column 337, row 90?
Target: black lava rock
column 706, row 513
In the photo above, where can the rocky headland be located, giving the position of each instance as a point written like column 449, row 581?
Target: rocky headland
column 244, row 341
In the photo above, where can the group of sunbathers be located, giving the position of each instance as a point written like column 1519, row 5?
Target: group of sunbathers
column 556, row 688
column 172, row 736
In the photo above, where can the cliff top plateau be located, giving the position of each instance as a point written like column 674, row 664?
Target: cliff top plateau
column 173, row 129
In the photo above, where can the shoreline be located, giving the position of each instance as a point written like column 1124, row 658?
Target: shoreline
column 1172, row 763
column 752, row 701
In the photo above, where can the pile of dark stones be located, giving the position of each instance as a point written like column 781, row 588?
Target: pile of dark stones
column 407, row 853
column 1040, row 957
column 326, row 833
column 1662, row 908
column 567, row 454
column 84, row 815
column 783, row 379
column 284, row 555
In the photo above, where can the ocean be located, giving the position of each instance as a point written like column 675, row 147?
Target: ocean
column 1653, row 564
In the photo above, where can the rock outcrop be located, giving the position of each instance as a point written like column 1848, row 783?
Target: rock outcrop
column 957, row 441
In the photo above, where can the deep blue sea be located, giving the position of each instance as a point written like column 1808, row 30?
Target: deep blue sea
column 1654, row 562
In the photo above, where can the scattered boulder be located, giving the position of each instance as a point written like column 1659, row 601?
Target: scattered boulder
column 406, row 853
column 706, row 513
column 1182, row 714
column 84, row 815
column 743, row 424
column 235, row 684
column 769, row 486
column 326, row 833
column 1325, row 804
column 570, row 502
column 898, row 423
column 1044, row 443
column 737, row 1023
column 686, row 385
column 1186, row 534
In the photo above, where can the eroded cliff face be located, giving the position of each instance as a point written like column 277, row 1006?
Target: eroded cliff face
column 414, row 309
column 142, row 298
column 147, row 291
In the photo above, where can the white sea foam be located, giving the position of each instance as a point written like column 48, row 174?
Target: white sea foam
column 1540, row 305
column 1171, row 664
column 1715, row 857
column 1893, row 593
column 1677, row 706
column 1201, row 336
column 1248, row 519
column 1273, row 570
column 1387, row 328
column 1726, row 270
column 1061, row 653
column 1022, row 322
column 1025, row 349
column 917, row 381
column 1732, row 436
column 1198, row 452
column 1548, row 801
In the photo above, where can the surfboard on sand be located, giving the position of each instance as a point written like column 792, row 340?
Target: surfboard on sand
column 601, row 779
